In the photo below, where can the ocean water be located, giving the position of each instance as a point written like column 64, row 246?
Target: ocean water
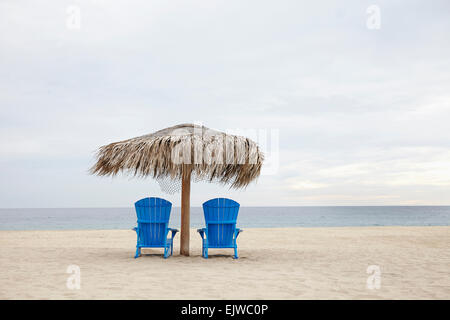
column 249, row 217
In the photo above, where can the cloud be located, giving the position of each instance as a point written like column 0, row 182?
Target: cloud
column 298, row 184
column 362, row 114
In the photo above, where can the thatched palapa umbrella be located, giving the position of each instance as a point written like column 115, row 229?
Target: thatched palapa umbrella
column 178, row 153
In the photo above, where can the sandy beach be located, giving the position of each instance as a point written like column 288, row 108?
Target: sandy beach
column 290, row 263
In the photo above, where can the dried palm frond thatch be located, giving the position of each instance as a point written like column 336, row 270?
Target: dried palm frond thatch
column 178, row 151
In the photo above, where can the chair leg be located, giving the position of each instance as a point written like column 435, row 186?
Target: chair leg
column 138, row 252
column 166, row 252
column 171, row 249
column 235, row 253
column 206, row 253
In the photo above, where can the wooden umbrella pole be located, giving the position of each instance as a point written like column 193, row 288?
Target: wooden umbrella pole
column 185, row 213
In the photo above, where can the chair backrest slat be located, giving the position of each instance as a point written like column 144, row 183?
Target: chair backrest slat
column 220, row 218
column 153, row 216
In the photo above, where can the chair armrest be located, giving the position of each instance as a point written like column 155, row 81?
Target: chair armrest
column 202, row 232
column 174, row 232
column 135, row 229
column 237, row 231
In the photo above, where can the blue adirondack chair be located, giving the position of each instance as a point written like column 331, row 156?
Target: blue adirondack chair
column 153, row 216
column 220, row 232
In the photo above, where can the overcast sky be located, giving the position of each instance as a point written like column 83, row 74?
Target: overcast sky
column 363, row 114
